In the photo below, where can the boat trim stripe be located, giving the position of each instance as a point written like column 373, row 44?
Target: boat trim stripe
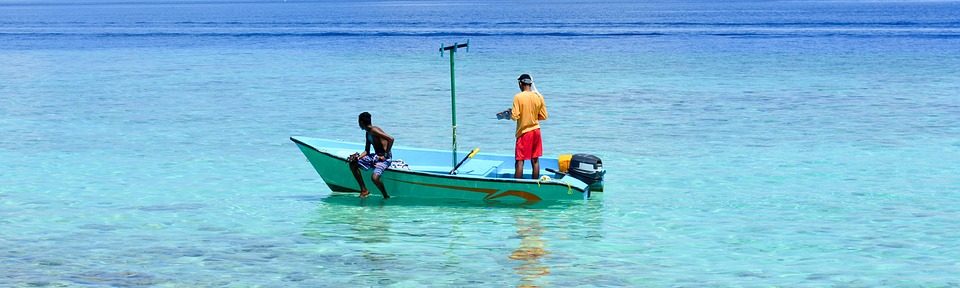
column 491, row 193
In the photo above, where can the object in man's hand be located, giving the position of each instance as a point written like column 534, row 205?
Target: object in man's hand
column 505, row 114
column 353, row 157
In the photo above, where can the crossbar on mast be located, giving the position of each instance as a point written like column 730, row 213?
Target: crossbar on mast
column 453, row 92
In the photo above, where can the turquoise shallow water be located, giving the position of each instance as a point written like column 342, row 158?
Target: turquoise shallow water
column 772, row 159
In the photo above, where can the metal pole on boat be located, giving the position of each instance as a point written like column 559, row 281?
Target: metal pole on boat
column 453, row 91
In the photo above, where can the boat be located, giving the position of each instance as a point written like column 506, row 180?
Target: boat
column 485, row 177
column 479, row 176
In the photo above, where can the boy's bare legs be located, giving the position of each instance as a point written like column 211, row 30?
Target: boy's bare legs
column 355, row 168
column 383, row 191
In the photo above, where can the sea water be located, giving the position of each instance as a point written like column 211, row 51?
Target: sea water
column 754, row 144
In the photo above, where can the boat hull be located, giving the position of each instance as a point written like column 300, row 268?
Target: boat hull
column 335, row 171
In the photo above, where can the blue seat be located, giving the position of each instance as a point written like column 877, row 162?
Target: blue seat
column 478, row 167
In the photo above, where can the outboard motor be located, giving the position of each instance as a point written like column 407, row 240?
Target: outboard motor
column 587, row 168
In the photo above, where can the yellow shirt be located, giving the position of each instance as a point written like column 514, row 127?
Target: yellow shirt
column 528, row 110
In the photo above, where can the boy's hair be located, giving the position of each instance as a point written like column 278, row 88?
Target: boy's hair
column 365, row 118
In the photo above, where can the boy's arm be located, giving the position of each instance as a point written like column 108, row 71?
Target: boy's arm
column 383, row 136
column 366, row 148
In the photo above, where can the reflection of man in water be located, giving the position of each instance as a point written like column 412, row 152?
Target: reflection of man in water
column 530, row 251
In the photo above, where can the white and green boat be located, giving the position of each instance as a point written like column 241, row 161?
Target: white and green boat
column 485, row 177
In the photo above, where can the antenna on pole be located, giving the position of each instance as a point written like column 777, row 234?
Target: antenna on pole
column 453, row 91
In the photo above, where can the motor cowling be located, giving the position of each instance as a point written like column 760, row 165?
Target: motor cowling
column 587, row 168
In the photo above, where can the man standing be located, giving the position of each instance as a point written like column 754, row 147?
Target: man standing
column 528, row 110
column 379, row 161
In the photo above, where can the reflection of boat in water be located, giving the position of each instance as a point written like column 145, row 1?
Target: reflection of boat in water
column 531, row 249
column 487, row 177
column 349, row 238
column 355, row 222
column 528, row 247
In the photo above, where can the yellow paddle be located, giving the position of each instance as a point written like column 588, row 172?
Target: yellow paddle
column 472, row 153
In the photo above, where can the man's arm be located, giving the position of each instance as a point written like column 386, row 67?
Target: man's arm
column 515, row 111
column 542, row 114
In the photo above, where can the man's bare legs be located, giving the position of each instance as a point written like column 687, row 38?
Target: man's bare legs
column 519, row 170
column 536, row 167
column 535, row 162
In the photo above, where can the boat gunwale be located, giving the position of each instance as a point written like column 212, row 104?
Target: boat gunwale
column 508, row 180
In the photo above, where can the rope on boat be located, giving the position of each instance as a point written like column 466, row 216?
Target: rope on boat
column 542, row 179
column 545, row 178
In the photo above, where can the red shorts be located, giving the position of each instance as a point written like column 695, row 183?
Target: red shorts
column 529, row 145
